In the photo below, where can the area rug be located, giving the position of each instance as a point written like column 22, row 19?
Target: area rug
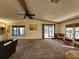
column 40, row 49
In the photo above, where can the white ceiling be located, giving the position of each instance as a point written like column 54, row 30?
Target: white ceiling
column 44, row 9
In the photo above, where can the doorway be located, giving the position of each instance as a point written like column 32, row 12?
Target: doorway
column 48, row 31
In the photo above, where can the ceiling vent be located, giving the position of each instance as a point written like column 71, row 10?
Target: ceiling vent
column 55, row 1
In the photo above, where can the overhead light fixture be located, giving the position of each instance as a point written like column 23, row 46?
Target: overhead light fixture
column 55, row 1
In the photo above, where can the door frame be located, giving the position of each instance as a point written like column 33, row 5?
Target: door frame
column 43, row 30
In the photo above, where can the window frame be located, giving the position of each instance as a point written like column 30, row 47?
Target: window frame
column 72, row 26
column 67, row 31
column 75, row 33
column 17, row 30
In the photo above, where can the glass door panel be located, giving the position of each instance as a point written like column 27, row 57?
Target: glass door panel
column 77, row 33
column 48, row 31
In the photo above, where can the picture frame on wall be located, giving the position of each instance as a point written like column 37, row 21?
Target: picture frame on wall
column 33, row 26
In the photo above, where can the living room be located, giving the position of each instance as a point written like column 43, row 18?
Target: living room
column 43, row 29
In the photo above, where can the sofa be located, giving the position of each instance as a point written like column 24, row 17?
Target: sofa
column 7, row 48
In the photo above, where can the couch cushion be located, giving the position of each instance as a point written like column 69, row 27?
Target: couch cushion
column 7, row 43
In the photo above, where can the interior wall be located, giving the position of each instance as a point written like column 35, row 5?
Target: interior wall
column 58, row 28
column 69, row 22
column 30, row 34
column 3, row 32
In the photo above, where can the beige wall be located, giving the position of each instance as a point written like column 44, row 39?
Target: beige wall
column 58, row 28
column 69, row 22
column 35, row 34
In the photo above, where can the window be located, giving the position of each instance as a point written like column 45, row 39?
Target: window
column 76, row 32
column 18, row 30
column 69, row 33
column 72, row 31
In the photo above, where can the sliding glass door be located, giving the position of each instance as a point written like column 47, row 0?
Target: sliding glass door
column 48, row 30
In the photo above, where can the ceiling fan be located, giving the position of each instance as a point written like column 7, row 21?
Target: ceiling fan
column 55, row 1
column 27, row 13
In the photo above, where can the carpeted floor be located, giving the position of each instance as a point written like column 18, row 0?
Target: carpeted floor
column 41, row 49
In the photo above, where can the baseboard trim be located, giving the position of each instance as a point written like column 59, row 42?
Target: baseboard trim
column 31, row 39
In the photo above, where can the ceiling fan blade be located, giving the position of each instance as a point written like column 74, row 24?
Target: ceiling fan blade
column 30, row 17
column 23, row 4
column 24, row 16
column 32, row 14
column 19, row 14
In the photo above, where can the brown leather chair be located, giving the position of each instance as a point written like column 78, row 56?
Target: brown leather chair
column 69, row 41
column 59, row 36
